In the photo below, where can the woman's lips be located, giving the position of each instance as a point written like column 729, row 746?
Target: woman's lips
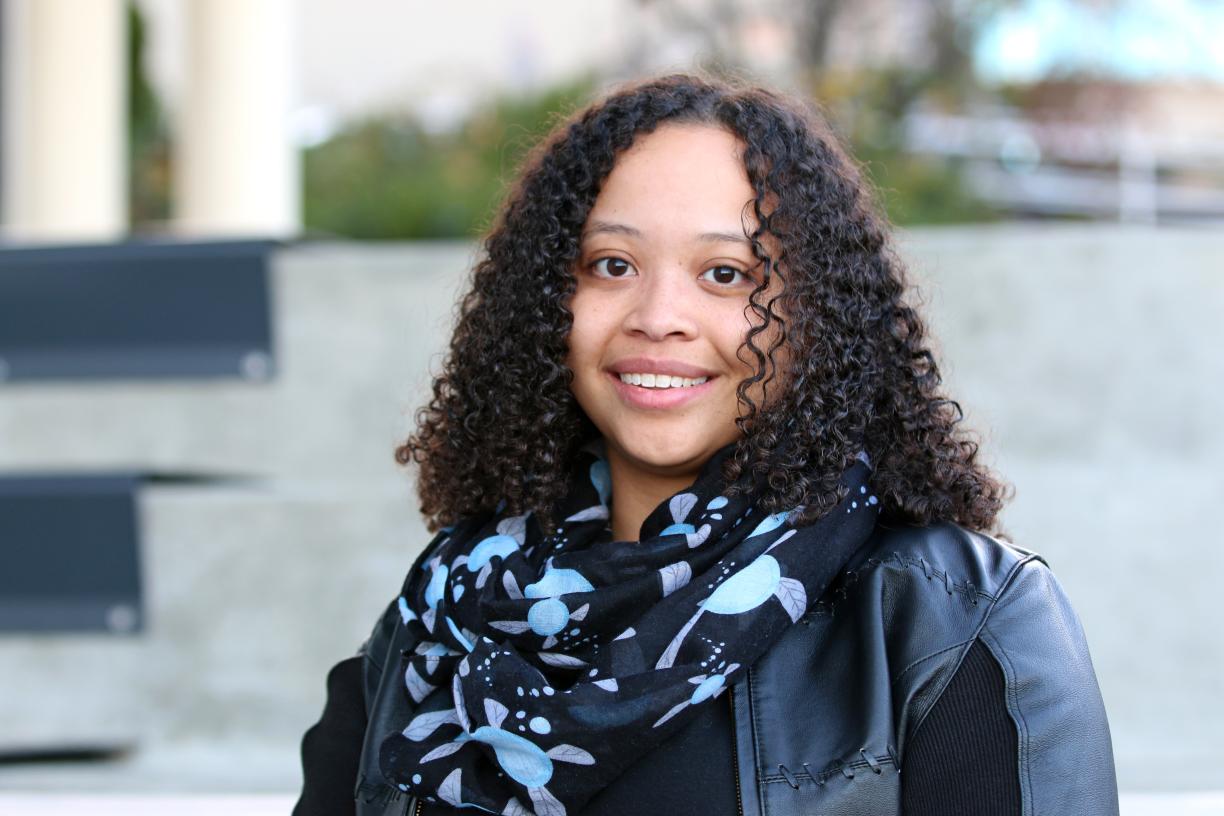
column 657, row 398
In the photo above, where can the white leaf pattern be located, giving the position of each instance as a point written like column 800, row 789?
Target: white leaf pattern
column 511, row 585
column 450, row 789
column 545, row 803
column 793, row 597
column 485, row 571
column 698, row 538
column 515, row 527
column 608, row 685
column 443, row 750
column 417, row 685
column 423, row 725
column 581, row 612
column 590, row 514
column 781, row 538
column 512, row 627
column 460, row 709
column 676, row 709
column 668, row 658
column 561, row 660
column 515, row 808
column 680, row 505
column 495, row 712
column 675, row 576
column 572, row 754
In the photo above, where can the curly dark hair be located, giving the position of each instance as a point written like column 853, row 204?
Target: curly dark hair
column 502, row 423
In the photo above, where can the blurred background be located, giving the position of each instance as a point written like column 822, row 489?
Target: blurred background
column 232, row 232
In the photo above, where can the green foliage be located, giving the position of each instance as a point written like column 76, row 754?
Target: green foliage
column 868, row 109
column 148, row 136
column 388, row 178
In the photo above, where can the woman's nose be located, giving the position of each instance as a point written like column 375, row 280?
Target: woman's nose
column 664, row 306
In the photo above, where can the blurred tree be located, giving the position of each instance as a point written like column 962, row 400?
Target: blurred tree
column 390, row 177
column 867, row 99
column 148, row 136
column 869, row 105
column 387, row 177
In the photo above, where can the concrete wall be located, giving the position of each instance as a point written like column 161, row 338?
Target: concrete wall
column 1088, row 356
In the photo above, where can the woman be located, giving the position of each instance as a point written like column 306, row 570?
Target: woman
column 710, row 539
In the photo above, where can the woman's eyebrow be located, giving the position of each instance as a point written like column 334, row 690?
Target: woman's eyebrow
column 610, row 228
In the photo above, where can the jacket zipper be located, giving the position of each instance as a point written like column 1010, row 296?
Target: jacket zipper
column 739, row 802
column 420, row 805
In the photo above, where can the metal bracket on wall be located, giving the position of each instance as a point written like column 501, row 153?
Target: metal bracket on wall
column 136, row 311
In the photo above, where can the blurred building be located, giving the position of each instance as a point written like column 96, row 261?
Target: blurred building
column 171, row 367
column 65, row 71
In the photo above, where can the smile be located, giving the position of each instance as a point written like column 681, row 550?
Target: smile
column 661, row 380
column 658, row 397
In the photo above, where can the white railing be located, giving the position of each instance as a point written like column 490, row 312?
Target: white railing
column 1064, row 168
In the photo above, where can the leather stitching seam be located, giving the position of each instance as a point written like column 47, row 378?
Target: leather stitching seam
column 840, row 589
column 833, row 769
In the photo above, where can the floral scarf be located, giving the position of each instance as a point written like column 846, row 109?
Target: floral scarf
column 539, row 666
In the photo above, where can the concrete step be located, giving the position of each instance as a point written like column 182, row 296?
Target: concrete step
column 252, row 593
column 356, row 331
column 1089, row 355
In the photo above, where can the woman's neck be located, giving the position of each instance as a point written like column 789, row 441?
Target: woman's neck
column 637, row 491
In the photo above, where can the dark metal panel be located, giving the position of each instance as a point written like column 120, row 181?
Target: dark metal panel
column 136, row 310
column 70, row 554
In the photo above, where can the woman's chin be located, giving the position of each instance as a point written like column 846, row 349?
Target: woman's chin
column 673, row 454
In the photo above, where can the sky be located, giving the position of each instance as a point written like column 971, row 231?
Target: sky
column 1128, row 39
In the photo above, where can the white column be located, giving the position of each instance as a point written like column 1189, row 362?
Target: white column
column 65, row 120
column 236, row 169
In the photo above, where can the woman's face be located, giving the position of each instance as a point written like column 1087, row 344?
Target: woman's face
column 661, row 303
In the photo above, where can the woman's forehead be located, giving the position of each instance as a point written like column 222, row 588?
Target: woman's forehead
column 680, row 181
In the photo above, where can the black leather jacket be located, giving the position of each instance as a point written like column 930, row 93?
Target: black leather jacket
column 864, row 667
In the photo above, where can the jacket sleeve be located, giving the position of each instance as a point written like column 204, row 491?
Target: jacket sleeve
column 331, row 747
column 373, row 652
column 1065, row 752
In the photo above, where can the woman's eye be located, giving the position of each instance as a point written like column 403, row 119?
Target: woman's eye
column 723, row 275
column 612, row 267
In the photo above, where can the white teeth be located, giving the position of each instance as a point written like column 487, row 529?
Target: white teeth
column 661, row 380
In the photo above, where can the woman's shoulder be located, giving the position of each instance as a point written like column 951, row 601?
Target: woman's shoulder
column 964, row 561
column 963, row 585
column 942, row 588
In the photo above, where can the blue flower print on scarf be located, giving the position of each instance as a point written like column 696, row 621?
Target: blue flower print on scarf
column 680, row 506
column 549, row 614
column 745, row 590
column 708, row 686
column 520, row 758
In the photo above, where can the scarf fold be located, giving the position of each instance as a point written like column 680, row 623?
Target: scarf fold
column 540, row 666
